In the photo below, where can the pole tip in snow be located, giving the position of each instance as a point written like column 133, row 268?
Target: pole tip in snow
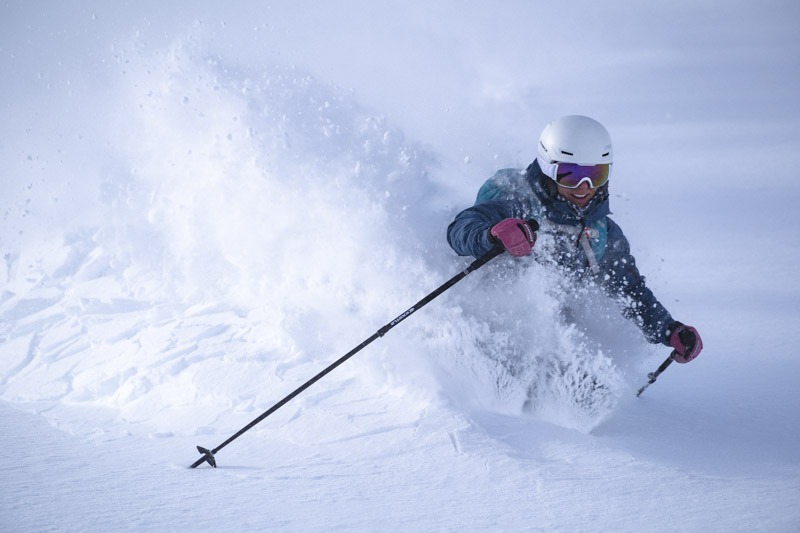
column 208, row 455
column 651, row 378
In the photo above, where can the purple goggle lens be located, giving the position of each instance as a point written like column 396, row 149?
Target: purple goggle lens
column 571, row 176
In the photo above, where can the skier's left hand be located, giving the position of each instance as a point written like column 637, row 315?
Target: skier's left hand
column 686, row 341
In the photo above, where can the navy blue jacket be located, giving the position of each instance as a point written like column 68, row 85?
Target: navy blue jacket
column 585, row 242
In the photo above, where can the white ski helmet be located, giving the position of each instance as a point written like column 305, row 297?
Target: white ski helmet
column 575, row 139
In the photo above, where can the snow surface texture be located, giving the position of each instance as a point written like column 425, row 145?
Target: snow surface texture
column 203, row 208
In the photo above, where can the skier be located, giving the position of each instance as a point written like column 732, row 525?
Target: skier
column 565, row 190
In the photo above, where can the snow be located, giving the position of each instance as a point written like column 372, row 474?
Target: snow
column 203, row 207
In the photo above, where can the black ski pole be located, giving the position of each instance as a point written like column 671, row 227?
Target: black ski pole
column 208, row 455
column 653, row 376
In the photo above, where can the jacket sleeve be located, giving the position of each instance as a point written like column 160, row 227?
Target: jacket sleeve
column 624, row 282
column 468, row 234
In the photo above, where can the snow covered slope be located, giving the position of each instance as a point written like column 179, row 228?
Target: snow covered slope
column 203, row 209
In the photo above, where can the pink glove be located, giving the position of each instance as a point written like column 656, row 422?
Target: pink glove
column 686, row 341
column 515, row 234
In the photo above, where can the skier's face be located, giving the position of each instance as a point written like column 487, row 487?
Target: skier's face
column 580, row 196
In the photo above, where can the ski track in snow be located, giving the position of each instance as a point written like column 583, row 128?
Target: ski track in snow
column 421, row 481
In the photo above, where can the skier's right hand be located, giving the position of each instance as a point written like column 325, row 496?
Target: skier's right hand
column 516, row 235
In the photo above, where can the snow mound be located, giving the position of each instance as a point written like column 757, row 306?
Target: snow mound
column 252, row 226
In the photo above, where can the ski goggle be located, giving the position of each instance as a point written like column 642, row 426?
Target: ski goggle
column 571, row 175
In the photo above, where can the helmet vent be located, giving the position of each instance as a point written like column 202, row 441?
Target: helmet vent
column 606, row 154
column 567, row 153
